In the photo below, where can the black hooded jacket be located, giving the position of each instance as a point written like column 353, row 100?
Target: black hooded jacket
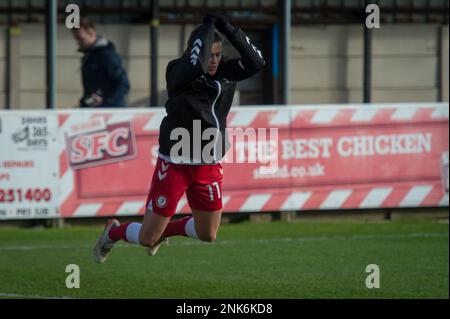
column 103, row 74
column 198, row 103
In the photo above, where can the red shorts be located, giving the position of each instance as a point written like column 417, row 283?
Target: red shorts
column 202, row 184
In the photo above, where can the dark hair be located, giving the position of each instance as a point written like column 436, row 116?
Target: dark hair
column 217, row 37
column 87, row 24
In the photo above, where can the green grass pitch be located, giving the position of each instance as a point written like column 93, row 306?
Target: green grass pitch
column 314, row 259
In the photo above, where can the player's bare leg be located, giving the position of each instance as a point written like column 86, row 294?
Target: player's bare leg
column 156, row 229
column 207, row 224
column 202, row 225
column 148, row 234
column 151, row 233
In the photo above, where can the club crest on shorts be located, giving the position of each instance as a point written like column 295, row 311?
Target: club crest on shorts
column 162, row 201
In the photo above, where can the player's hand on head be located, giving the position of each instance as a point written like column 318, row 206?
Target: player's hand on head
column 221, row 23
column 209, row 19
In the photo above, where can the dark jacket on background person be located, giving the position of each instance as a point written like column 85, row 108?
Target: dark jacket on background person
column 196, row 95
column 103, row 74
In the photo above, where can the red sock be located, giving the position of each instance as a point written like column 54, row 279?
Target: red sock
column 118, row 233
column 176, row 228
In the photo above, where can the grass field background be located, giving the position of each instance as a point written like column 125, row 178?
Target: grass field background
column 313, row 259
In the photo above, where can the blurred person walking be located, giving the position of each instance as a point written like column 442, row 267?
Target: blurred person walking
column 105, row 81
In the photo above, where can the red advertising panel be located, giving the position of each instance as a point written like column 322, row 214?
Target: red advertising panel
column 332, row 157
column 302, row 157
column 107, row 161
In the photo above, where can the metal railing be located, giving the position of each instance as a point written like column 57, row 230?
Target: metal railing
column 245, row 12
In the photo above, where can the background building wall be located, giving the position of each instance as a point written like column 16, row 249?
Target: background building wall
column 2, row 65
column 445, row 64
column 326, row 63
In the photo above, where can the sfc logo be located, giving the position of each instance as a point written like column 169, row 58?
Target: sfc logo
column 95, row 143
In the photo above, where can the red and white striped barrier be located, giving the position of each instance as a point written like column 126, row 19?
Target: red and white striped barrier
column 120, row 188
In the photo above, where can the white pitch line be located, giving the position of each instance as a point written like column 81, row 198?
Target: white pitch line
column 320, row 238
column 14, row 295
column 29, row 247
column 246, row 242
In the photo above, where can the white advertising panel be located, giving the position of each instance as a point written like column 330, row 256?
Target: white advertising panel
column 28, row 165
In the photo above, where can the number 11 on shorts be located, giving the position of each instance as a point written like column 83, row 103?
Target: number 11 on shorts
column 211, row 193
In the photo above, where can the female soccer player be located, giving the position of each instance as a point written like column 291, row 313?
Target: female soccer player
column 201, row 85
